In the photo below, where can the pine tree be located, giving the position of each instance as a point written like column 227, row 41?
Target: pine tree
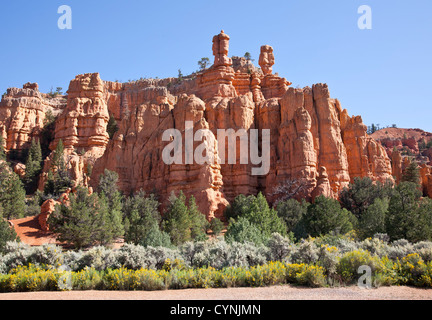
column 412, row 173
column 6, row 232
column 12, row 194
column 2, row 150
column 176, row 220
column 33, row 166
column 373, row 219
column 112, row 126
column 82, row 222
column 248, row 56
column 198, row 221
column 325, row 215
column 265, row 218
column 403, row 206
column 141, row 216
column 58, row 176
column 108, row 183
column 58, row 156
column 47, row 134
column 203, row 63
column 109, row 220
column 216, row 226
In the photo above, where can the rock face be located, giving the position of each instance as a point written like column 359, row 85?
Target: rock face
column 48, row 207
column 313, row 146
column 409, row 142
column 22, row 115
column 407, row 145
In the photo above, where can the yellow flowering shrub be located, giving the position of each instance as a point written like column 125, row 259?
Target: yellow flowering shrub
column 29, row 278
column 415, row 271
column 411, row 270
column 86, row 279
column 350, row 262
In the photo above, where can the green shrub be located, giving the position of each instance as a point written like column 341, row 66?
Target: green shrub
column 415, row 271
column 86, row 279
column 243, row 231
column 325, row 215
column 216, row 226
column 350, row 262
column 303, row 274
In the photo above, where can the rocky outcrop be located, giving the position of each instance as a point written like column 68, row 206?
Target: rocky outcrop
column 314, row 147
column 405, row 146
column 22, row 115
column 409, row 142
column 82, row 125
column 48, row 208
column 366, row 157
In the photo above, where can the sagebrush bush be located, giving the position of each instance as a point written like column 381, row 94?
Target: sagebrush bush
column 216, row 263
column 246, row 255
column 280, row 248
column 328, row 259
column 99, row 258
column 306, row 252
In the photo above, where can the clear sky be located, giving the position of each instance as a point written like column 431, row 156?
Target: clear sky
column 381, row 74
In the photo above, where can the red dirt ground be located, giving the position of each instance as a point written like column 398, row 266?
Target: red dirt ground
column 28, row 229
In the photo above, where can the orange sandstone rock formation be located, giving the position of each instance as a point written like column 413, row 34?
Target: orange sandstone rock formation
column 22, row 115
column 407, row 145
column 315, row 146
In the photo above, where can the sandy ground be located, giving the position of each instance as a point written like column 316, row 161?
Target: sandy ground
column 269, row 293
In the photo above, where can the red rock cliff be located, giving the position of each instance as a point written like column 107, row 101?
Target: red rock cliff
column 314, row 146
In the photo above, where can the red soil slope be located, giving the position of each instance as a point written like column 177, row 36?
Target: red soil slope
column 29, row 231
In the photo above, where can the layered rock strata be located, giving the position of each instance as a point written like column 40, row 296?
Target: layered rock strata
column 22, row 115
column 314, row 148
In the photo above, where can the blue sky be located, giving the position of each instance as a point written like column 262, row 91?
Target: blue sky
column 382, row 74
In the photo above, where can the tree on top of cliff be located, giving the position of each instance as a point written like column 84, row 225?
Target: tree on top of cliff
column 248, row 56
column 204, row 63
